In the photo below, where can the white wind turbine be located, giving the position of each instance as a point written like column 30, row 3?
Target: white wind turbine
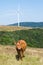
column 19, row 14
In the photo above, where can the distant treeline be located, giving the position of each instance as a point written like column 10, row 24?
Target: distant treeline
column 29, row 24
column 33, row 37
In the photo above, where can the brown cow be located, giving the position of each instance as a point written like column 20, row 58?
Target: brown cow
column 20, row 47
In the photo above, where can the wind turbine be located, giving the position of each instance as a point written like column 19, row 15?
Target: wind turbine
column 18, row 14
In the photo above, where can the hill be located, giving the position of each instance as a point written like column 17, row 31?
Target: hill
column 33, row 37
column 29, row 24
column 11, row 34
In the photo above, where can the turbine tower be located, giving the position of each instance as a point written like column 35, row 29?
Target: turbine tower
column 18, row 17
column 18, row 14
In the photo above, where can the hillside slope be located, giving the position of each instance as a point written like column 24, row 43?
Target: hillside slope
column 33, row 37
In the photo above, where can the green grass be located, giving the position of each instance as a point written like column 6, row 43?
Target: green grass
column 9, row 59
column 33, row 37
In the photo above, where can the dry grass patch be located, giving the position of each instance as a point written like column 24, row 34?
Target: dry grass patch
column 8, row 57
column 13, row 28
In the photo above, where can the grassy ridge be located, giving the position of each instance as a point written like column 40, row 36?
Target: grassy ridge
column 13, row 28
column 33, row 37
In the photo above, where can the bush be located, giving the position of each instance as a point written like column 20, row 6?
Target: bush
column 33, row 37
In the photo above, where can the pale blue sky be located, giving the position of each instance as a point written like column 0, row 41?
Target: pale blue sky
column 29, row 10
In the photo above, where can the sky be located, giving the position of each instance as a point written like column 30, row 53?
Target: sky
column 28, row 10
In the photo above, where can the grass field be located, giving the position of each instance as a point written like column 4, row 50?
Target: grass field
column 33, row 56
column 13, row 28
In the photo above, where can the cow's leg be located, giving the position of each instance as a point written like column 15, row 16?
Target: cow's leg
column 21, row 55
column 23, row 52
column 18, row 53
